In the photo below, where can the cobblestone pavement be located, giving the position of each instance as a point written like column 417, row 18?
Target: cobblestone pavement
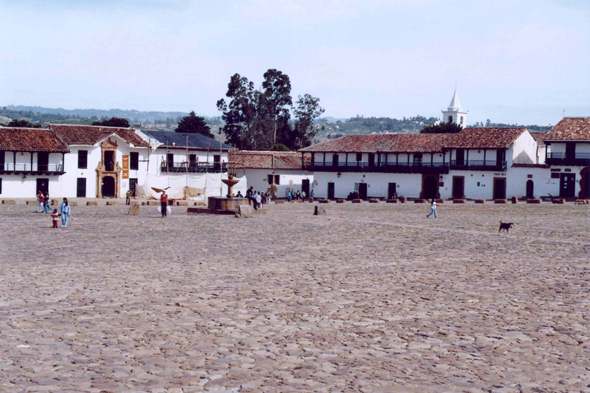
column 370, row 298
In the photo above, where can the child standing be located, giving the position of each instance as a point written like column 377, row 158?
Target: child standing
column 54, row 216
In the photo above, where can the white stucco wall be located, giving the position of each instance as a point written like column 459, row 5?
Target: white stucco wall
column 289, row 179
column 408, row 185
column 523, row 150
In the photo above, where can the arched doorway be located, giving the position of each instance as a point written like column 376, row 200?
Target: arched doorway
column 584, row 183
column 530, row 189
column 430, row 187
column 108, row 187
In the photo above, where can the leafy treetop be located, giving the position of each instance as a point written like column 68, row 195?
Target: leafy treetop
column 193, row 124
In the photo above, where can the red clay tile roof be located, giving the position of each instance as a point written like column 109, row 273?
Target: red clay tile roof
column 30, row 139
column 485, row 137
column 264, row 160
column 90, row 135
column 386, row 143
column 570, row 129
column 539, row 136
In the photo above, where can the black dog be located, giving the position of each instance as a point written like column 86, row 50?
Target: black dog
column 505, row 226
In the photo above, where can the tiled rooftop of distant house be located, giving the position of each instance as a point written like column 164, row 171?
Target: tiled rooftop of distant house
column 30, row 140
column 265, row 160
column 387, row 143
column 570, row 129
column 474, row 138
column 90, row 135
column 485, row 138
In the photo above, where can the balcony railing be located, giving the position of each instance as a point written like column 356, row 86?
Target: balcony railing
column 581, row 159
column 34, row 169
column 401, row 167
column 479, row 165
column 199, row 167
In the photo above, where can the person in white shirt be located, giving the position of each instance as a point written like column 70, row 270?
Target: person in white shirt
column 432, row 210
column 259, row 200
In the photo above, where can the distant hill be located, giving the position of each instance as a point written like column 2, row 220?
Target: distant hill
column 131, row 115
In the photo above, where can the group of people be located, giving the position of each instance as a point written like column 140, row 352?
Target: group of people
column 258, row 198
column 43, row 202
column 293, row 195
column 44, row 206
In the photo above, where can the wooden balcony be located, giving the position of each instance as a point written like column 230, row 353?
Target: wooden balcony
column 412, row 167
column 578, row 159
column 479, row 165
column 35, row 169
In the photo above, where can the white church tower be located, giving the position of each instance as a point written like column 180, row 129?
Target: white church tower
column 455, row 113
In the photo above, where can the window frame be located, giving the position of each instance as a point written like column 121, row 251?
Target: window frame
column 133, row 162
column 86, row 159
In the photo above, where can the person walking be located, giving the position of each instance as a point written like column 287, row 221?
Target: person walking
column 311, row 193
column 65, row 211
column 46, row 202
column 40, row 201
column 164, row 204
column 288, row 195
column 432, row 209
column 128, row 197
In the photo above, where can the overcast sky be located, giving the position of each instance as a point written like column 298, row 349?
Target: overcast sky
column 513, row 61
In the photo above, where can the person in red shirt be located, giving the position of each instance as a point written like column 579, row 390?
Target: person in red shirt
column 40, row 202
column 164, row 203
column 54, row 217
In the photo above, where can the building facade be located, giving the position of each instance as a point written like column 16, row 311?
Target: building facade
column 273, row 171
column 31, row 160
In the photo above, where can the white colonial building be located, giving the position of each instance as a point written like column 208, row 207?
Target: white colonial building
column 263, row 169
column 477, row 163
column 104, row 161
column 31, row 160
column 568, row 154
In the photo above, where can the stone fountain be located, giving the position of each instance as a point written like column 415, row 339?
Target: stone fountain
column 229, row 204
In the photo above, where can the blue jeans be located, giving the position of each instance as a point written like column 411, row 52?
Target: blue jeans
column 432, row 211
column 64, row 220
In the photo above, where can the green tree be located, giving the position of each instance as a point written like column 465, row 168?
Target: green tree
column 240, row 113
column 193, row 124
column 307, row 109
column 260, row 119
column 113, row 122
column 442, row 128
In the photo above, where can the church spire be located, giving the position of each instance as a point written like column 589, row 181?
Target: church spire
column 455, row 104
column 455, row 113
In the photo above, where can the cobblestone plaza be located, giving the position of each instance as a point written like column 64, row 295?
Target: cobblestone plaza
column 370, row 297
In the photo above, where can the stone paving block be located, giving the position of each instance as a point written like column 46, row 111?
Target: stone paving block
column 420, row 200
column 91, row 203
column 9, row 202
column 500, row 201
column 558, row 201
column 279, row 202
column 373, row 200
column 112, row 203
column 533, row 201
column 357, row 201
column 181, row 203
column 391, row 201
column 459, row 201
column 340, row 200
column 324, row 201
column 480, row 201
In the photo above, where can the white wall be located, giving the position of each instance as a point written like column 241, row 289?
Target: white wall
column 582, row 147
column 408, row 185
column 289, row 179
column 523, row 150
column 541, row 177
column 14, row 186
